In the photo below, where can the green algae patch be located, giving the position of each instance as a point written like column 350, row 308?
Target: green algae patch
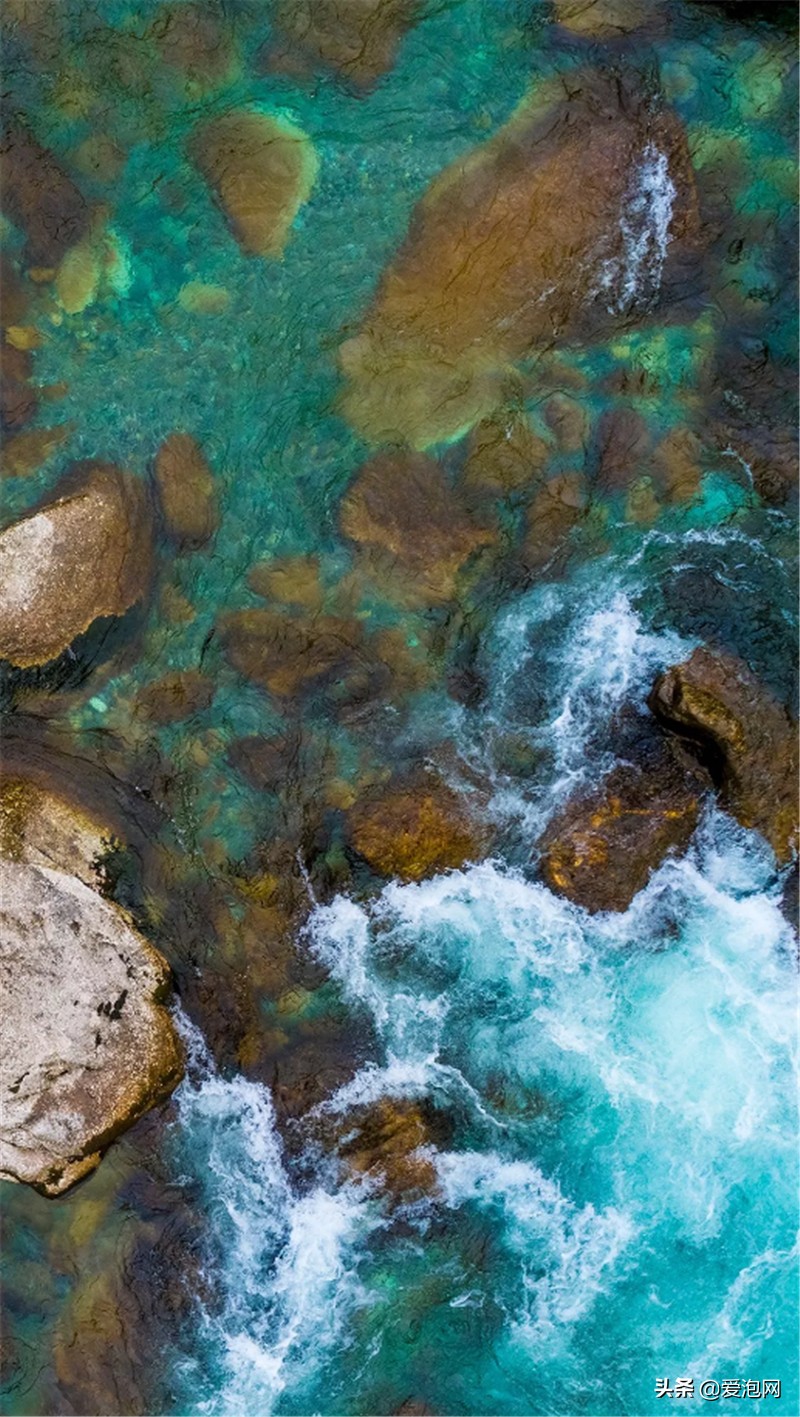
column 261, row 169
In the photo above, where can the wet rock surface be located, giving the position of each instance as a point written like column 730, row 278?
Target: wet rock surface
column 355, row 39
column 602, row 847
column 744, row 736
column 415, row 829
column 186, row 490
column 100, row 520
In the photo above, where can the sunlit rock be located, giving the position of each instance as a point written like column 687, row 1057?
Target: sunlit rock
column 415, row 828
column 84, row 554
column 385, row 1143
column 743, row 734
column 601, row 848
column 88, row 1046
column 492, row 267
column 402, row 509
column 261, row 169
column 606, row 19
column 186, row 490
column 357, row 39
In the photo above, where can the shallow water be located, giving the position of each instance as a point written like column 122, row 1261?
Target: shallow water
column 609, row 1101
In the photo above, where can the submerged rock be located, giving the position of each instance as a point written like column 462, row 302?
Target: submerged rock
column 357, row 39
column 261, row 169
column 415, row 828
column 403, row 510
column 186, row 490
column 557, row 227
column 18, row 401
column 29, row 449
column 601, row 849
column 83, row 555
column 559, row 505
column 175, row 697
column 40, row 198
column 742, row 734
column 88, row 1045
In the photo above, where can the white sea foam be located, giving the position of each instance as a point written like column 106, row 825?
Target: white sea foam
column 634, row 275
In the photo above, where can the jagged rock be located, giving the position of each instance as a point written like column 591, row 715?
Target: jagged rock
column 384, row 1142
column 600, row 850
column 532, row 236
column 261, row 169
column 744, row 736
column 88, row 1044
column 415, row 828
column 82, row 555
column 403, row 510
column 186, row 490
column 559, row 505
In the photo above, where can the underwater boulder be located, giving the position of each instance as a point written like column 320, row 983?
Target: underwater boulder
column 356, row 39
column 175, row 697
column 602, row 847
column 606, row 19
column 504, row 455
column 88, row 1044
column 186, row 490
column 415, row 828
column 40, row 198
column 195, row 41
column 743, row 735
column 261, row 169
column 18, row 401
column 31, row 448
column 85, row 553
column 560, row 226
column 402, row 509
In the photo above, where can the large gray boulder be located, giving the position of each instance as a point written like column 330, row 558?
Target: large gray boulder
column 87, row 1045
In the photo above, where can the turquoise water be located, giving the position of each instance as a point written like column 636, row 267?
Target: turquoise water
column 610, row 1100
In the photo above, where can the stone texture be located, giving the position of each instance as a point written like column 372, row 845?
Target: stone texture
column 401, row 507
column 41, row 198
column 88, row 1046
column 516, row 244
column 261, row 170
column 83, row 555
column 415, row 828
column 356, row 39
column 186, row 490
column 745, row 737
column 600, row 850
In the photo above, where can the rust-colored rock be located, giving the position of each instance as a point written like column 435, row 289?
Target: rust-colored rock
column 402, row 507
column 40, row 198
column 744, row 736
column 292, row 580
column 261, row 169
column 83, row 554
column 357, row 39
column 532, row 236
column 602, row 847
column 415, row 828
column 557, row 507
column 387, row 1148
column 186, row 490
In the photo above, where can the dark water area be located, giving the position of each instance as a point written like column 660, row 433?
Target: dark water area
column 434, row 365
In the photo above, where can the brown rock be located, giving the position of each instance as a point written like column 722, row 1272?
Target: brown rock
column 28, row 450
column 606, row 19
column 175, row 697
column 82, row 555
column 676, row 465
column 40, row 198
column 292, row 580
column 559, row 506
column 623, row 449
column 194, row 40
column 504, row 455
column 357, row 39
column 602, row 847
column 743, row 735
column 186, row 490
column 569, row 422
column 261, row 169
column 492, row 267
column 402, row 507
column 387, row 1148
column 18, row 401
column 415, row 828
